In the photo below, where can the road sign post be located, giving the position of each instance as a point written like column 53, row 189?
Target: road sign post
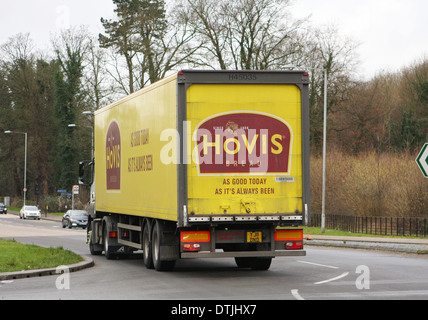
column 75, row 191
column 422, row 160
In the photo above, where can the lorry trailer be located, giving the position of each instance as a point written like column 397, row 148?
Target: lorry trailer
column 203, row 164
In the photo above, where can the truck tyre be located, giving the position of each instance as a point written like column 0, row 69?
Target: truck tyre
column 94, row 247
column 254, row 263
column 261, row 264
column 147, row 246
column 158, row 262
column 243, row 262
column 94, row 251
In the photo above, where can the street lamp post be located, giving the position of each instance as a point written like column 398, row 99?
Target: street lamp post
column 325, row 70
column 324, row 153
column 25, row 163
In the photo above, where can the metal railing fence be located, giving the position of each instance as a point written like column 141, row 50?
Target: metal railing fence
column 387, row 226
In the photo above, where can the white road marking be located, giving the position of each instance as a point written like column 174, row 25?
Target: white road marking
column 317, row 264
column 296, row 294
column 6, row 281
column 333, row 279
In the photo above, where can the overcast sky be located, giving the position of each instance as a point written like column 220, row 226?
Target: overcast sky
column 391, row 33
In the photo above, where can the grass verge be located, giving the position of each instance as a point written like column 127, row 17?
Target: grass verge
column 328, row 232
column 15, row 256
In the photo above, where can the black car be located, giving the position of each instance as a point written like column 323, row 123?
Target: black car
column 3, row 209
column 75, row 218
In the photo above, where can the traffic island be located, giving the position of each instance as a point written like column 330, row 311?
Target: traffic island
column 87, row 263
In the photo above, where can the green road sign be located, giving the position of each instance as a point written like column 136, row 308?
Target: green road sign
column 422, row 160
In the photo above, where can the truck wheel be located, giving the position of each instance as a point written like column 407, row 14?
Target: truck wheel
column 94, row 247
column 260, row 263
column 243, row 262
column 147, row 246
column 254, row 263
column 158, row 263
column 93, row 251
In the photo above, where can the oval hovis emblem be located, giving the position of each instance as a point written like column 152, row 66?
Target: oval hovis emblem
column 113, row 156
column 243, row 143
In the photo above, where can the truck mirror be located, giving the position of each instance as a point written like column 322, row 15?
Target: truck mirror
column 81, row 170
column 85, row 176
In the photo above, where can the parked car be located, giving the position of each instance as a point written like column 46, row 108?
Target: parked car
column 3, row 209
column 30, row 212
column 75, row 218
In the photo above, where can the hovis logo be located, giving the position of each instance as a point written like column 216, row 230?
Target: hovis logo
column 113, row 156
column 243, row 142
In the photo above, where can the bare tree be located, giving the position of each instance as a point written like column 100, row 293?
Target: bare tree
column 327, row 50
column 70, row 100
column 244, row 34
column 97, row 84
column 262, row 34
column 206, row 19
column 120, row 35
column 19, row 47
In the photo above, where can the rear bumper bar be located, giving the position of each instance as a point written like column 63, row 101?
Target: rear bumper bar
column 243, row 254
column 247, row 218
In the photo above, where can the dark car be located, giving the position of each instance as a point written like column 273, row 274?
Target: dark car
column 3, row 209
column 75, row 218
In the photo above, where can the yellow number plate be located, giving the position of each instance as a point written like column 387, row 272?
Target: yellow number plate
column 254, row 236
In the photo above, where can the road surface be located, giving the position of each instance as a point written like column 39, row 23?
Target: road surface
column 324, row 274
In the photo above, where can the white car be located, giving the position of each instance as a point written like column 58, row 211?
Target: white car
column 30, row 212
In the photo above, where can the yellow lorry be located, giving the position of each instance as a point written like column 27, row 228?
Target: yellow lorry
column 203, row 164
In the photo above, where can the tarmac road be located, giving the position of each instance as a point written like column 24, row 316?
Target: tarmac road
column 326, row 273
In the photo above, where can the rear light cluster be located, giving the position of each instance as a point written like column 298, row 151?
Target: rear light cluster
column 294, row 245
column 292, row 239
column 191, row 247
column 191, row 240
column 195, row 241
